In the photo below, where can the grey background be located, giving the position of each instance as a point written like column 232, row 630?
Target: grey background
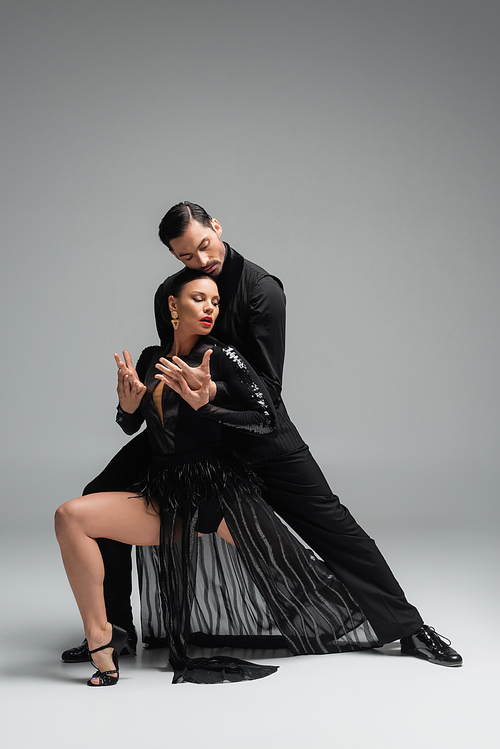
column 350, row 147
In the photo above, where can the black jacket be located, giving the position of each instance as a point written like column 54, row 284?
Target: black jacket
column 252, row 319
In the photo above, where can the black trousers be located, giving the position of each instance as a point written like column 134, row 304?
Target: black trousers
column 297, row 490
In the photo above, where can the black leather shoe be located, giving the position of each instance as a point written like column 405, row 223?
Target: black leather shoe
column 80, row 653
column 426, row 643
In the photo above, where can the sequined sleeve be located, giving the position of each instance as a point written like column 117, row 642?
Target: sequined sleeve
column 257, row 412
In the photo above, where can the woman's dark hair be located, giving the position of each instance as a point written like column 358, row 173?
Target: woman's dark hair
column 185, row 277
column 176, row 220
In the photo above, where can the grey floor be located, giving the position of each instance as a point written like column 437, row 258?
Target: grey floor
column 375, row 699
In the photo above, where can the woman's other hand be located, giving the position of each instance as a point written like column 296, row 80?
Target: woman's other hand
column 130, row 389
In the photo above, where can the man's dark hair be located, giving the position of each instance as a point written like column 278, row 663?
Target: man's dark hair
column 176, row 220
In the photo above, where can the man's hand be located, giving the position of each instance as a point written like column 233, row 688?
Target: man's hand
column 130, row 389
column 194, row 377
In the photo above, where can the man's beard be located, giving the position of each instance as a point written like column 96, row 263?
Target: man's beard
column 215, row 273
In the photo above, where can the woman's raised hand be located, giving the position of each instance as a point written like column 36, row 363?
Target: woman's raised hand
column 130, row 389
column 194, row 377
column 174, row 377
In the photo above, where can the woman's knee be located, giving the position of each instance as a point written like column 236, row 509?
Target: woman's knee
column 67, row 514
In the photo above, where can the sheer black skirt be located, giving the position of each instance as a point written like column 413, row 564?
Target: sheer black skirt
column 265, row 590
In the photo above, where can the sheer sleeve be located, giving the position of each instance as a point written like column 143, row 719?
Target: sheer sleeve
column 244, row 387
column 131, row 423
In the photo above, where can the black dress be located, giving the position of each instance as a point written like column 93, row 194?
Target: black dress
column 266, row 590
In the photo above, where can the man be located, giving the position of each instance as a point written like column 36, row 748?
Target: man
column 252, row 319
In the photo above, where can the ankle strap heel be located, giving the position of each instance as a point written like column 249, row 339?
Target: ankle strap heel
column 119, row 641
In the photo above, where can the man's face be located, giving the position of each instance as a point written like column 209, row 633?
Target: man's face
column 200, row 248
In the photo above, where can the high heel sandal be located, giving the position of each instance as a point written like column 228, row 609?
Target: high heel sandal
column 118, row 642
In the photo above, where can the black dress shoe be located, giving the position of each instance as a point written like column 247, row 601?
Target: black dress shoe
column 426, row 643
column 80, row 653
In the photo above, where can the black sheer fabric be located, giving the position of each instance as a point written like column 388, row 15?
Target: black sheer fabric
column 265, row 588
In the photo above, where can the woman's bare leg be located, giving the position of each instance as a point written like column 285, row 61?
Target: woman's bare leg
column 118, row 516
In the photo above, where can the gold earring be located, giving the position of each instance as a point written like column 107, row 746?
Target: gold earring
column 175, row 319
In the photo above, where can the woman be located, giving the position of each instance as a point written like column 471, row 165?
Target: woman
column 225, row 570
